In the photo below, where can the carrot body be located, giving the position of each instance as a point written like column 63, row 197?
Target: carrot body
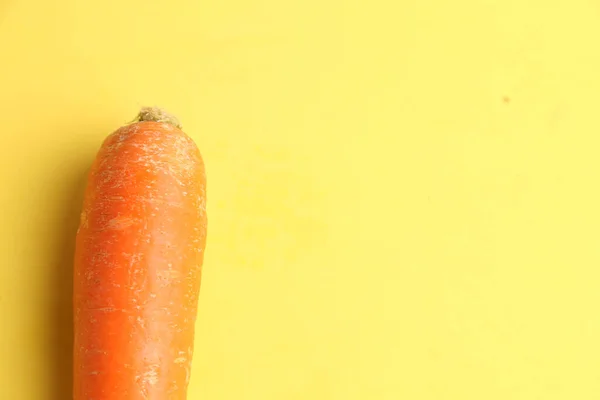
column 138, row 260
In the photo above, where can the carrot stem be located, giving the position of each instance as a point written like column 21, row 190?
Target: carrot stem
column 157, row 114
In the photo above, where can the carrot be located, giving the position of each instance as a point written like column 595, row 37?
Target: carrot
column 138, row 261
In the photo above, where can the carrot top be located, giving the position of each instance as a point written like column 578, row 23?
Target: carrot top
column 157, row 114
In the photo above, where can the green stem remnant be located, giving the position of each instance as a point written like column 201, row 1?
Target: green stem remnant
column 157, row 115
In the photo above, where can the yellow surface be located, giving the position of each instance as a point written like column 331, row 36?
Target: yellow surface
column 403, row 195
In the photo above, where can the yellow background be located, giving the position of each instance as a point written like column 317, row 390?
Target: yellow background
column 403, row 195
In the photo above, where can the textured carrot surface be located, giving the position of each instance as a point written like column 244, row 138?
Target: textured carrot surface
column 138, row 262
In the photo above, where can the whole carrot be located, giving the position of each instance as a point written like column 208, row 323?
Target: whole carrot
column 138, row 262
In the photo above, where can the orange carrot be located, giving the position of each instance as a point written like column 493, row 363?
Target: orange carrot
column 138, row 262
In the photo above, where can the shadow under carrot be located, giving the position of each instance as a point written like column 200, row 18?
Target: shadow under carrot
column 60, row 306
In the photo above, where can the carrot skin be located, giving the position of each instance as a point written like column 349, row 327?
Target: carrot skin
column 138, row 262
